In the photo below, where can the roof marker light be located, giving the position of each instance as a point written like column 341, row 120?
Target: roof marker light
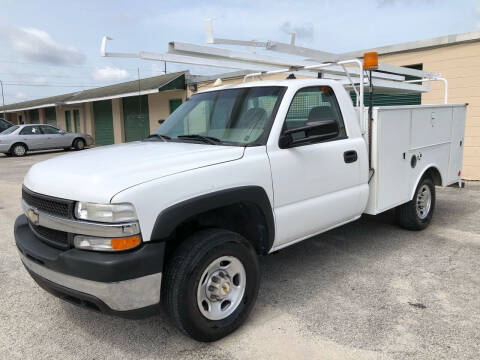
column 370, row 60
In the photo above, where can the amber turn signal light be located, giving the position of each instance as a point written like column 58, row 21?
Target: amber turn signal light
column 125, row 243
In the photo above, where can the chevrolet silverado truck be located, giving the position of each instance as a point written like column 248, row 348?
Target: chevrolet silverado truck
column 181, row 218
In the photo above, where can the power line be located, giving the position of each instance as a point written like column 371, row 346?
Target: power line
column 47, row 75
column 58, row 65
column 50, row 85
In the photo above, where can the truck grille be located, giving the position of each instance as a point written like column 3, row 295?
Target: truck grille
column 48, row 204
column 55, row 238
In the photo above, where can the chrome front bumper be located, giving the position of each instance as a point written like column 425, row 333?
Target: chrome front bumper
column 119, row 296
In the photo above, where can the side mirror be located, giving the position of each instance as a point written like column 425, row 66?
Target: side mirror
column 285, row 141
column 161, row 121
column 63, row 132
column 315, row 131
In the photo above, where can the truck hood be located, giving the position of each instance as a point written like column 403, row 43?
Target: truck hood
column 96, row 175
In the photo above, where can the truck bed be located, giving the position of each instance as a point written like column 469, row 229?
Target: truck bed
column 408, row 140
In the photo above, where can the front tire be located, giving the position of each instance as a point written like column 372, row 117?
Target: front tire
column 418, row 212
column 211, row 284
column 18, row 150
column 79, row 144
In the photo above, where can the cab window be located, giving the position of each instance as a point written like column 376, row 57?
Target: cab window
column 315, row 103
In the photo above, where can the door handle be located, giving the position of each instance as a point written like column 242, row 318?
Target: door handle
column 350, row 156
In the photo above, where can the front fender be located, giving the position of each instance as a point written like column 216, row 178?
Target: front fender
column 246, row 179
column 170, row 218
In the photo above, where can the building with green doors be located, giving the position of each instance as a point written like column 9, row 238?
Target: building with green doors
column 117, row 113
column 131, row 110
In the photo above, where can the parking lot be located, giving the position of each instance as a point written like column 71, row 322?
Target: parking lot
column 368, row 290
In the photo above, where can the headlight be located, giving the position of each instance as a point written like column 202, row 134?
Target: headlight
column 106, row 244
column 110, row 213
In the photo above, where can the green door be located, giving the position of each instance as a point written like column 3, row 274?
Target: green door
column 34, row 118
column 103, row 118
column 51, row 116
column 135, row 115
column 68, row 123
column 393, row 99
column 174, row 104
column 76, row 120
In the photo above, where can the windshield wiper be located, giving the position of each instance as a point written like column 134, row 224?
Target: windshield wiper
column 207, row 139
column 159, row 136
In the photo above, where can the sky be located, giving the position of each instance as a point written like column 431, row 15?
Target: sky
column 52, row 47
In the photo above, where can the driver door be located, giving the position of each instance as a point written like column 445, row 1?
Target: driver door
column 317, row 185
column 55, row 138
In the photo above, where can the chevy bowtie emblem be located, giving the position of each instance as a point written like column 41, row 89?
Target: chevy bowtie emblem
column 32, row 215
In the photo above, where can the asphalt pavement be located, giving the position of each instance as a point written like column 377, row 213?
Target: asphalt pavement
column 367, row 290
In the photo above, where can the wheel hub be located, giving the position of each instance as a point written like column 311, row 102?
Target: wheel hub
column 221, row 288
column 424, row 202
column 219, row 285
column 19, row 150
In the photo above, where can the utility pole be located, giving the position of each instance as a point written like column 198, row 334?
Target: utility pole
column 3, row 101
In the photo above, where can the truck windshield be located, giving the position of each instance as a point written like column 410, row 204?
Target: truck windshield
column 239, row 116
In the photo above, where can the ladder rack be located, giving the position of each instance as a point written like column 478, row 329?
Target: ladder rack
column 350, row 72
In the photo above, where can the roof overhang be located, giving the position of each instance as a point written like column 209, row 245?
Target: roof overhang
column 110, row 97
column 30, row 108
column 93, row 94
column 420, row 45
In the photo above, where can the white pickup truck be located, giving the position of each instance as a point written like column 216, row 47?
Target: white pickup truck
column 236, row 172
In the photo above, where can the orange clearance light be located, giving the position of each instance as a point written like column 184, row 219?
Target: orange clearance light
column 370, row 61
column 125, row 243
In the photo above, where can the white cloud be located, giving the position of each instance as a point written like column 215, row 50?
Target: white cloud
column 384, row 3
column 304, row 31
column 40, row 80
column 20, row 95
column 38, row 46
column 109, row 74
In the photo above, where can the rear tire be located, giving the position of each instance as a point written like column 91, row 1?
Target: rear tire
column 418, row 212
column 211, row 284
column 79, row 144
column 18, row 150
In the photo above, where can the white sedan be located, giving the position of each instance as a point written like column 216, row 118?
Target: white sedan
column 19, row 139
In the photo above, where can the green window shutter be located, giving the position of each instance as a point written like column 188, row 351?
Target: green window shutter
column 76, row 120
column 51, row 116
column 174, row 104
column 136, row 119
column 68, row 124
column 103, row 119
